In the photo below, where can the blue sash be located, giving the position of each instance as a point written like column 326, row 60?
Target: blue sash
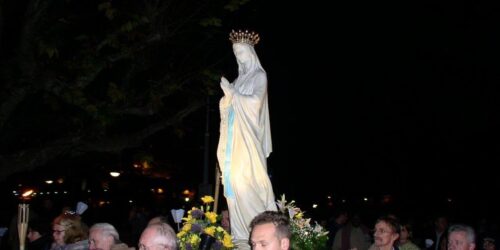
column 228, row 189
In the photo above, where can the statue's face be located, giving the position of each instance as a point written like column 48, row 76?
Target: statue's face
column 242, row 52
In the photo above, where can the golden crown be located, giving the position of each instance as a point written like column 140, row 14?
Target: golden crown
column 239, row 36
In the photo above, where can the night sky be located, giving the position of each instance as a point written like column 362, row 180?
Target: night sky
column 389, row 98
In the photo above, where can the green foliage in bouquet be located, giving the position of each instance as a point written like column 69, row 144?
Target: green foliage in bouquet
column 304, row 235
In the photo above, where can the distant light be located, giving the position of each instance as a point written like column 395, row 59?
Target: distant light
column 60, row 180
column 105, row 190
column 88, row 190
column 27, row 193
column 48, row 193
column 41, row 193
column 146, row 165
column 114, row 174
column 55, row 192
column 49, row 181
column 136, row 165
column 185, row 192
column 450, row 200
column 160, row 190
column 343, row 201
column 65, row 192
column 365, row 199
column 14, row 192
column 329, row 197
column 186, row 199
column 130, row 201
column 315, row 205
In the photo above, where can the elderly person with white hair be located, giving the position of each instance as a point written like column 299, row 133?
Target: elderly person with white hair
column 103, row 236
column 158, row 236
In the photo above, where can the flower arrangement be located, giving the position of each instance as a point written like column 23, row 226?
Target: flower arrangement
column 200, row 224
column 304, row 235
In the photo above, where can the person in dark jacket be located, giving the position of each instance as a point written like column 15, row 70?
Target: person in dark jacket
column 39, row 235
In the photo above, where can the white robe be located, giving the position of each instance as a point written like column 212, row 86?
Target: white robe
column 244, row 145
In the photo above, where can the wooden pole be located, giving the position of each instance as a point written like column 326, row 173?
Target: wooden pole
column 22, row 224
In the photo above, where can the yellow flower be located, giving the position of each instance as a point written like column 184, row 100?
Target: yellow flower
column 195, row 239
column 186, row 227
column 181, row 233
column 299, row 215
column 188, row 219
column 207, row 220
column 207, row 199
column 227, row 242
column 210, row 231
column 211, row 216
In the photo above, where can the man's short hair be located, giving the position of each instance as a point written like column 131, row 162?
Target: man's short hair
column 278, row 219
column 107, row 230
column 392, row 221
column 469, row 232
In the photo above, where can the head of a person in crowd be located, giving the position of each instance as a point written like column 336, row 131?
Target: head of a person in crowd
column 356, row 220
column 158, row 220
column 441, row 223
column 158, row 236
column 225, row 221
column 461, row 237
column 340, row 217
column 270, row 230
column 68, row 228
column 406, row 233
column 489, row 243
column 386, row 232
column 102, row 236
column 37, row 228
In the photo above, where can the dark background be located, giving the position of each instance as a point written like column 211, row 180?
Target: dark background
column 385, row 98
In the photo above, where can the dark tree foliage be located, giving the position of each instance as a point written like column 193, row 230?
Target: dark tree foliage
column 102, row 76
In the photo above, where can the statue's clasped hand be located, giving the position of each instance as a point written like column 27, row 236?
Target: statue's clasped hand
column 226, row 87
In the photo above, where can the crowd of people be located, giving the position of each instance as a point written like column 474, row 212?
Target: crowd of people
column 268, row 230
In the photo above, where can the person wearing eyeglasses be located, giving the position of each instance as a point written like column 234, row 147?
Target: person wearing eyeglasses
column 387, row 231
column 158, row 236
column 69, row 233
